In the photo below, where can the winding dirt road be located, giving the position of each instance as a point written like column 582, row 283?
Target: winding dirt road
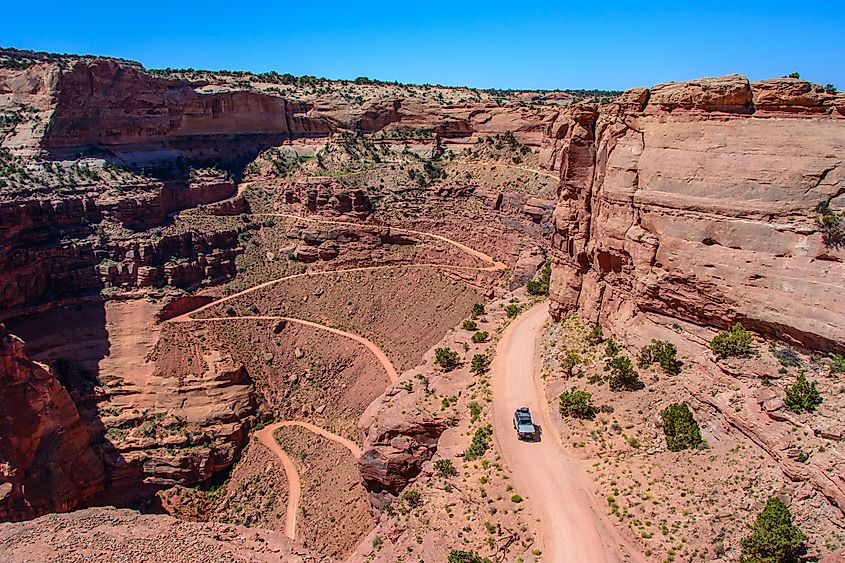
column 554, row 484
column 265, row 436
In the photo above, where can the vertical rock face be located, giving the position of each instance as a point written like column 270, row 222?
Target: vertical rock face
column 46, row 460
column 699, row 200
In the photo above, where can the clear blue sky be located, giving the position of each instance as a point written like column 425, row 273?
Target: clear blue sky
column 517, row 44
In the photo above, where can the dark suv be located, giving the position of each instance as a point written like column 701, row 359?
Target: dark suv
column 524, row 426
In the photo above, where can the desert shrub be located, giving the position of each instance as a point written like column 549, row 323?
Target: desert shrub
column 663, row 353
column 480, row 443
column 540, row 286
column 516, row 499
column 230, row 311
column 622, row 376
column 512, row 310
column 469, row 325
column 611, row 349
column 732, row 343
column 802, row 396
column 458, row 556
column 577, row 403
column 831, row 224
column 446, row 358
column 480, row 364
column 837, row 364
column 680, row 428
column 474, row 411
column 570, row 360
column 445, row 468
column 412, row 498
column 480, row 337
column 595, row 335
column 773, row 538
column 477, row 310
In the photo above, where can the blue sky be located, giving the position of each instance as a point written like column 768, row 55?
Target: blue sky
column 493, row 44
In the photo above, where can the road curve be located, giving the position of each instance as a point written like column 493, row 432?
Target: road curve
column 392, row 374
column 554, row 484
column 265, row 436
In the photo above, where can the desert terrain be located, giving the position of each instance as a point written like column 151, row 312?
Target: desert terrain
column 263, row 317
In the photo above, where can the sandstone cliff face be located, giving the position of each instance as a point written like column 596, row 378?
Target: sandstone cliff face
column 48, row 464
column 698, row 201
column 117, row 108
column 106, row 103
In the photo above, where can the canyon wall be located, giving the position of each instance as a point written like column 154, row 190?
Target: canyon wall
column 48, row 463
column 700, row 201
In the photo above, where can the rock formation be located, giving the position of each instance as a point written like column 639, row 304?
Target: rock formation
column 699, row 200
column 48, row 464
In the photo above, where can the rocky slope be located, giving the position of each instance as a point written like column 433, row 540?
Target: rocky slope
column 108, row 534
column 699, row 200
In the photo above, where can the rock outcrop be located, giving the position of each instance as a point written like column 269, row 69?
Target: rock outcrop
column 394, row 451
column 48, row 464
column 699, row 201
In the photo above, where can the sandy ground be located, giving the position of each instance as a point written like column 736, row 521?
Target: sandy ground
column 555, row 485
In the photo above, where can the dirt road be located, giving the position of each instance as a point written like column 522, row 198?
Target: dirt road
column 553, row 483
column 265, row 436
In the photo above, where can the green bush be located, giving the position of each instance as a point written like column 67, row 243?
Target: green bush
column 663, row 353
column 832, row 225
column 412, row 498
column 477, row 311
column 622, row 374
column 837, row 364
column 595, row 335
column 446, row 358
column 480, row 364
column 513, row 310
column 445, row 468
column 480, row 337
column 578, row 404
column 457, row 556
column 681, row 430
column 516, row 499
column 230, row 311
column 734, row 343
column 541, row 285
column 774, row 538
column 571, row 359
column 611, row 349
column 802, row 396
column 474, row 411
column 480, row 443
column 469, row 325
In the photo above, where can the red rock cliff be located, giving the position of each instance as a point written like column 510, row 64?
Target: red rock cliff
column 48, row 464
column 699, row 201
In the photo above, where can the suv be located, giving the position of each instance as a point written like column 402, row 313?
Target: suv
column 523, row 424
